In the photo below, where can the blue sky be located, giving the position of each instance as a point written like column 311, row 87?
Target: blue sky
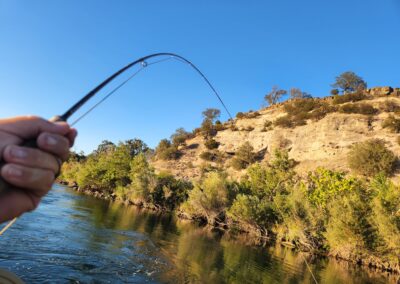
column 53, row 52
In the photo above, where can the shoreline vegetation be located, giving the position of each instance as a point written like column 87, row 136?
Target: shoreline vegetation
column 353, row 216
column 327, row 213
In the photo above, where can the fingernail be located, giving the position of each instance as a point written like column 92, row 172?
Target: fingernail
column 18, row 153
column 15, row 172
column 51, row 140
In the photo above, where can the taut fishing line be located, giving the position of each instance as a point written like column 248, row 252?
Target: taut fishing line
column 143, row 61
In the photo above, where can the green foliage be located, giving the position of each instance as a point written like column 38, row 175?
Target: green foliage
column 251, row 210
column 211, row 144
column 211, row 156
column 143, row 179
column 372, row 157
column 169, row 192
column 334, row 92
column 167, row 151
column 211, row 114
column 323, row 185
column 392, row 123
column 349, row 82
column 365, row 109
column 209, row 198
column 180, row 136
column 244, row 156
column 350, row 97
column 298, row 106
column 284, row 121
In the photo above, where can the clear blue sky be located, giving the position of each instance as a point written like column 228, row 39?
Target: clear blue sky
column 53, row 52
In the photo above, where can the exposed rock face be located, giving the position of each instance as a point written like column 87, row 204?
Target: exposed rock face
column 323, row 143
column 380, row 91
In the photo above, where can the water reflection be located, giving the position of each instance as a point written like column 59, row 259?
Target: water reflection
column 199, row 255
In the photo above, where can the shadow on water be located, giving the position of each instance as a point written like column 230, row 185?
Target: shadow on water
column 74, row 238
column 199, row 255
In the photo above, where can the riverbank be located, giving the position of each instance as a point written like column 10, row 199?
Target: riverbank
column 255, row 236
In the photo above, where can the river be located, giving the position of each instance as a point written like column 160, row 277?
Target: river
column 73, row 238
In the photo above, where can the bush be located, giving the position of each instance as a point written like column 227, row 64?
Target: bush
column 323, row 185
column 352, row 97
column 211, row 144
column 372, row 157
column 284, row 121
column 244, row 157
column 392, row 123
column 297, row 106
column 365, row 109
column 167, row 151
column 180, row 136
column 267, row 126
column 390, row 106
column 211, row 156
column 209, row 198
column 239, row 115
column 321, row 112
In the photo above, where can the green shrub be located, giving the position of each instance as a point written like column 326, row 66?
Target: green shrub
column 244, row 157
column 372, row 157
column 284, row 121
column 212, row 156
column 169, row 192
column 334, row 92
column 211, row 144
column 351, row 97
column 297, row 106
column 251, row 210
column 321, row 112
column 167, row 151
column 180, row 136
column 268, row 125
column 392, row 123
column 365, row 109
column 209, row 198
column 323, row 185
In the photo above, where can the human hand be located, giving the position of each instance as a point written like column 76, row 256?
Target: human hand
column 30, row 171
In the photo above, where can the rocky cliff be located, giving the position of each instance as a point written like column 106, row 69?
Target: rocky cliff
column 321, row 143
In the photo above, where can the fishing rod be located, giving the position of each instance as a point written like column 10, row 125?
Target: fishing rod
column 144, row 64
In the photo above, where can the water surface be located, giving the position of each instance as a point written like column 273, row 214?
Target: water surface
column 74, row 238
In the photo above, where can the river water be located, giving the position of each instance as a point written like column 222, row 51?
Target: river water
column 74, row 238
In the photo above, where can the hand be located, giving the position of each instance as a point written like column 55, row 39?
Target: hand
column 31, row 172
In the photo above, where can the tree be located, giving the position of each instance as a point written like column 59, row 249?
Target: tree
column 136, row 147
column 349, row 82
column 211, row 114
column 104, row 147
column 180, row 136
column 275, row 95
column 334, row 92
column 296, row 93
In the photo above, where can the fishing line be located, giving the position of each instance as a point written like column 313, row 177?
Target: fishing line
column 143, row 62
column 109, row 94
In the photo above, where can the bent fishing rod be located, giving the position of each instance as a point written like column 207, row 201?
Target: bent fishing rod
column 144, row 64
